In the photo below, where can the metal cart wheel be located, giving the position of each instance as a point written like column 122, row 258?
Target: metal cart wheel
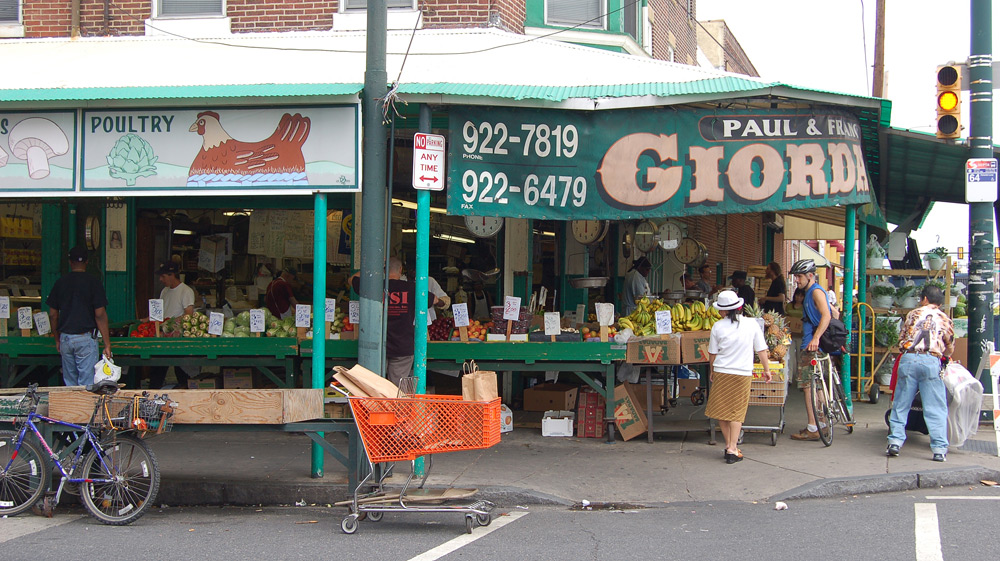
column 673, row 402
column 349, row 524
column 484, row 519
column 740, row 439
column 774, row 438
column 375, row 515
column 698, row 396
column 873, row 394
column 469, row 521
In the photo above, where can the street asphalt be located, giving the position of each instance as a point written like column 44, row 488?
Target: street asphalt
column 251, row 468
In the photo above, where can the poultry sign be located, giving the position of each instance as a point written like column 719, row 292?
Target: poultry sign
column 222, row 151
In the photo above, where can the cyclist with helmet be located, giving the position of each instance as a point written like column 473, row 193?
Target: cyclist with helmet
column 816, row 316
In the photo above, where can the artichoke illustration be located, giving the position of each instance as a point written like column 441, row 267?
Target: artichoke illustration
column 131, row 157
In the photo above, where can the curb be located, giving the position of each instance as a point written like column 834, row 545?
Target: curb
column 888, row 483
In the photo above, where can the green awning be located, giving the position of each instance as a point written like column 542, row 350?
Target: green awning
column 179, row 92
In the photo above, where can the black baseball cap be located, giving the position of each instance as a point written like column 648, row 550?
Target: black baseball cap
column 169, row 267
column 78, row 254
column 739, row 275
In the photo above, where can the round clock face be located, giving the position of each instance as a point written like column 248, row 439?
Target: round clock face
column 589, row 231
column 670, row 236
column 690, row 252
column 645, row 236
column 92, row 232
column 484, row 226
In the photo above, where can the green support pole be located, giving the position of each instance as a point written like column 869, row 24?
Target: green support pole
column 848, row 297
column 319, row 316
column 981, row 214
column 423, row 256
column 71, row 227
column 371, row 345
column 862, row 297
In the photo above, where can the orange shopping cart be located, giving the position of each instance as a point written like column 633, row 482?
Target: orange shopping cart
column 406, row 428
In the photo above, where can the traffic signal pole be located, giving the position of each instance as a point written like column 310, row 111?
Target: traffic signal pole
column 981, row 213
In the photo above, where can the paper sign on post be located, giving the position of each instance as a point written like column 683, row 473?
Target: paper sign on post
column 461, row 314
column 552, row 326
column 302, row 315
column 663, row 322
column 330, row 310
column 24, row 318
column 4, row 307
column 605, row 313
column 215, row 321
column 257, row 320
column 581, row 313
column 354, row 312
column 512, row 308
column 155, row 309
column 42, row 321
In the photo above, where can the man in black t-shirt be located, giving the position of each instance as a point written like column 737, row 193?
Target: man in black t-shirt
column 399, row 321
column 77, row 311
column 739, row 279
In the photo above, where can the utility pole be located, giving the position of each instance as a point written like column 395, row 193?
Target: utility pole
column 981, row 213
column 371, row 345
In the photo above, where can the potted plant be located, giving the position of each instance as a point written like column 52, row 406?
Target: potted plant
column 936, row 258
column 906, row 296
column 882, row 294
column 887, row 332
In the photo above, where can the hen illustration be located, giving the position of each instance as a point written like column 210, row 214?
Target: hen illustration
column 223, row 160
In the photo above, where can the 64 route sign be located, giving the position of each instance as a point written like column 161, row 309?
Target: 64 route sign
column 428, row 161
column 981, row 180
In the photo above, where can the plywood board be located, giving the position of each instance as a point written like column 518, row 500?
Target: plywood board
column 210, row 406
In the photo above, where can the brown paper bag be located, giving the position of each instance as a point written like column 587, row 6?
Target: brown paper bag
column 478, row 385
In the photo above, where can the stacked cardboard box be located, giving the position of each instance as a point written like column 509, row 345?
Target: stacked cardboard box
column 590, row 414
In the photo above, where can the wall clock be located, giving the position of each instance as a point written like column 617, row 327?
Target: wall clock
column 589, row 232
column 645, row 236
column 484, row 226
column 92, row 232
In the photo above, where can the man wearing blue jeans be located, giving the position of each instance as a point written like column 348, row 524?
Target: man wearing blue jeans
column 77, row 311
column 927, row 335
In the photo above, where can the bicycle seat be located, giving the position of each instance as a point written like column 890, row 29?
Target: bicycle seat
column 106, row 387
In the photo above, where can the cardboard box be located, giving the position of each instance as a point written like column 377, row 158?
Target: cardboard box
column 694, row 346
column 629, row 418
column 590, row 414
column 336, row 411
column 654, row 350
column 640, row 393
column 686, row 387
column 546, row 397
column 777, row 371
column 557, row 423
column 794, row 325
column 237, row 378
column 961, row 354
column 203, row 384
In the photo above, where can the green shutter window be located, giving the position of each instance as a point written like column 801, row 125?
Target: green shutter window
column 10, row 11
column 190, row 8
column 363, row 4
column 586, row 13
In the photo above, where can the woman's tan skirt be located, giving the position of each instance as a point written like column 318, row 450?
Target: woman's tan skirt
column 728, row 397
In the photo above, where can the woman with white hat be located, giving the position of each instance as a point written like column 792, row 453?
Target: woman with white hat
column 731, row 347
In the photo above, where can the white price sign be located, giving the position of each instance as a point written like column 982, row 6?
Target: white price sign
column 42, row 321
column 354, row 312
column 24, row 318
column 512, row 308
column 156, row 309
column 581, row 313
column 4, row 307
column 257, row 321
column 981, row 180
column 663, row 322
column 552, row 326
column 461, row 314
column 605, row 313
column 215, row 321
column 303, row 315
column 330, row 310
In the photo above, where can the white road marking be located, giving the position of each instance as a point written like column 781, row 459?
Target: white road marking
column 928, row 533
column 465, row 539
column 961, row 498
column 24, row 524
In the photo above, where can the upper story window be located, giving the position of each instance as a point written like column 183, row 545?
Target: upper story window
column 630, row 15
column 398, row 4
column 584, row 13
column 189, row 8
column 10, row 11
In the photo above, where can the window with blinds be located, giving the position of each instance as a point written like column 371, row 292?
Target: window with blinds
column 10, row 11
column 584, row 13
column 363, row 4
column 630, row 15
column 169, row 8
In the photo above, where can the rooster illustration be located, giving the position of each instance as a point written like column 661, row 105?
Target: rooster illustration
column 224, row 160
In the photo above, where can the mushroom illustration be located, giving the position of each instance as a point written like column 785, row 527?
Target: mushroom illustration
column 3, row 158
column 36, row 140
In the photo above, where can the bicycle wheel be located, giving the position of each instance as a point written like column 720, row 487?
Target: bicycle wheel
column 821, row 409
column 843, row 411
column 23, row 475
column 124, row 484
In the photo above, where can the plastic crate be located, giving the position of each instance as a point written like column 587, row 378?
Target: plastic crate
column 768, row 393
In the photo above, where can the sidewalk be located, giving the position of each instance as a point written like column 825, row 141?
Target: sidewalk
column 526, row 468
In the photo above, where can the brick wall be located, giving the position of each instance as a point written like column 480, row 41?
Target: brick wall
column 735, row 240
column 673, row 27
column 250, row 16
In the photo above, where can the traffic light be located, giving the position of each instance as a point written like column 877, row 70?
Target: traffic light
column 949, row 102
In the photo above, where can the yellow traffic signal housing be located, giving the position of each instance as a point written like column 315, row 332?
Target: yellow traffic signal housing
column 948, row 102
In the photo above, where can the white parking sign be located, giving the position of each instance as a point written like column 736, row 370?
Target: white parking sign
column 981, row 180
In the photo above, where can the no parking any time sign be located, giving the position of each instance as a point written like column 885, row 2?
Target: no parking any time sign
column 428, row 161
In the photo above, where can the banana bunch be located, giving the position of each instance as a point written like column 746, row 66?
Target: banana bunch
column 642, row 320
column 684, row 317
column 694, row 316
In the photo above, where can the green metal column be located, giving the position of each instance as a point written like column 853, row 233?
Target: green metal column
column 981, row 214
column 71, row 226
column 371, row 345
column 53, row 255
column 319, row 318
column 423, row 256
column 848, row 296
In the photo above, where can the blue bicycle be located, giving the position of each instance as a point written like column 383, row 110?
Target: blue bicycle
column 108, row 463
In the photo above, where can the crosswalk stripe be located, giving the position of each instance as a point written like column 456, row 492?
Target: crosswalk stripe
column 465, row 539
column 927, row 532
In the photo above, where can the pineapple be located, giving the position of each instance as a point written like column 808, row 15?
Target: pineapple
column 778, row 353
column 753, row 310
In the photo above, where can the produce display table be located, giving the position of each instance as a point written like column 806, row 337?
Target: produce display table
column 22, row 356
column 585, row 359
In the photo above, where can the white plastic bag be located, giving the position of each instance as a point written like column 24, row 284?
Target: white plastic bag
column 965, row 397
column 106, row 369
column 874, row 252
